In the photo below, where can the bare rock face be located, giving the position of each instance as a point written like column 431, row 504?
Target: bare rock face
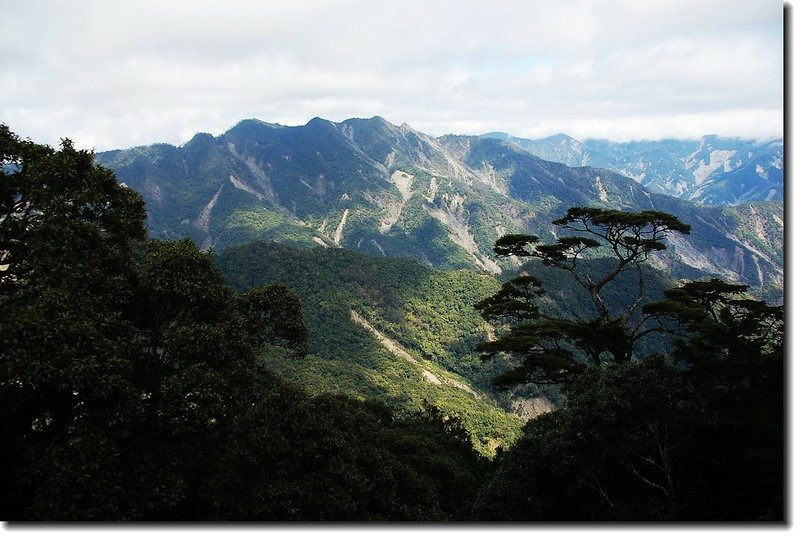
column 531, row 407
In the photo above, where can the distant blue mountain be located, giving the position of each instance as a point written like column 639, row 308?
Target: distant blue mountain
column 710, row 171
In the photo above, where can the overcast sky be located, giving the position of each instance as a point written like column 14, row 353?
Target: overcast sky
column 124, row 73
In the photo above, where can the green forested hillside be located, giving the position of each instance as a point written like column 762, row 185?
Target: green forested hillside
column 351, row 301
column 428, row 313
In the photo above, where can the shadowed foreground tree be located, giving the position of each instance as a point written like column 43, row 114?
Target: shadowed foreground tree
column 731, row 341
column 121, row 360
column 332, row 458
column 650, row 441
column 198, row 368
column 551, row 350
column 624, row 448
column 694, row 436
column 67, row 235
column 733, row 353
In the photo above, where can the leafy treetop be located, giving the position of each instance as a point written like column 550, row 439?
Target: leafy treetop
column 553, row 350
column 630, row 237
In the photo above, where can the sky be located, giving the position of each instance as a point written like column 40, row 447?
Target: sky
column 119, row 74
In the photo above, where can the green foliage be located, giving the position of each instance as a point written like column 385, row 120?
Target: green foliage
column 106, row 395
column 61, row 213
column 66, row 345
column 259, row 219
column 277, row 315
column 647, row 440
column 260, row 223
column 733, row 350
column 514, row 244
column 428, row 313
column 553, row 349
column 515, row 302
column 638, row 440
column 622, row 449
column 726, row 339
column 333, row 458
column 616, row 223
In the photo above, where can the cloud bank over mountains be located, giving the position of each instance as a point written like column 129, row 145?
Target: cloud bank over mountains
column 139, row 72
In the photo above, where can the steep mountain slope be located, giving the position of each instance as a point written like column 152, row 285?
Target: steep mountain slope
column 385, row 329
column 389, row 190
column 712, row 170
column 392, row 330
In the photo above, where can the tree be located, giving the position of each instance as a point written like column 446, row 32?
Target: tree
column 732, row 350
column 67, row 233
column 122, row 361
column 553, row 349
column 331, row 457
column 60, row 213
column 276, row 316
column 695, row 436
column 728, row 340
column 630, row 445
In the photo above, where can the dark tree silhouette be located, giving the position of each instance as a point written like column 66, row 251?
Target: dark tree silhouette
column 553, row 350
column 648, row 440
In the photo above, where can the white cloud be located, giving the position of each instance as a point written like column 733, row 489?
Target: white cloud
column 124, row 73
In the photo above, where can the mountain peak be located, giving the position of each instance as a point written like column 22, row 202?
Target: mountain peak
column 256, row 121
column 200, row 139
column 318, row 121
column 374, row 121
column 496, row 136
column 561, row 137
column 252, row 127
column 380, row 119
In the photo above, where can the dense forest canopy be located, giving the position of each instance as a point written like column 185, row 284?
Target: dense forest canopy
column 384, row 329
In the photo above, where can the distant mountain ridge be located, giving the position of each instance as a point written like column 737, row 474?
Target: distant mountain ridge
column 388, row 190
column 711, row 170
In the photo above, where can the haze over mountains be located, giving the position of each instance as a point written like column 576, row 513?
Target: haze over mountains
column 712, row 170
column 389, row 190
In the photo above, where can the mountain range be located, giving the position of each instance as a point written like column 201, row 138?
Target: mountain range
column 711, row 170
column 388, row 190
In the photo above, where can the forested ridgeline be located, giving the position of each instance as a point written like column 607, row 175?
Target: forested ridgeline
column 136, row 384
